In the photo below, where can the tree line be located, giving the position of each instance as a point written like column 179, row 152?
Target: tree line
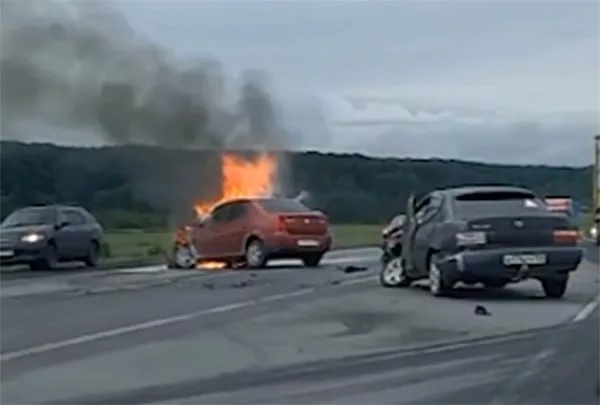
column 154, row 187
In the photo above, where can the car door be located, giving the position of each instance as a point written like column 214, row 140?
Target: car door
column 426, row 223
column 235, row 228
column 209, row 236
column 408, row 237
column 68, row 235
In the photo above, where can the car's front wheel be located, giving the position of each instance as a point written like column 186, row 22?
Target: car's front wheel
column 49, row 260
column 183, row 257
column 554, row 288
column 393, row 274
column 91, row 260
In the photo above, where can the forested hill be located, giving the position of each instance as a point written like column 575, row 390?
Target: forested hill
column 146, row 186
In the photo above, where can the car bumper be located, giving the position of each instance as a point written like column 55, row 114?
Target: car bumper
column 292, row 246
column 20, row 254
column 487, row 265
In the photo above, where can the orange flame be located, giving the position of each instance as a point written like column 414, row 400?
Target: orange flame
column 243, row 178
column 211, row 265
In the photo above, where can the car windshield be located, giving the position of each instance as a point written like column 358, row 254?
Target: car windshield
column 28, row 216
column 481, row 204
column 283, row 205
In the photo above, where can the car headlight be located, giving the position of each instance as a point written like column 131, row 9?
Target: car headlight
column 32, row 238
column 594, row 231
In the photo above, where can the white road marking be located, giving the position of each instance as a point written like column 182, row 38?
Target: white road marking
column 586, row 311
column 158, row 323
column 144, row 326
column 142, row 270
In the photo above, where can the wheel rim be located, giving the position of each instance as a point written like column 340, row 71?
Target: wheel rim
column 434, row 278
column 254, row 254
column 393, row 273
column 183, row 257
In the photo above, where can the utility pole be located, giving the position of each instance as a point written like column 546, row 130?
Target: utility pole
column 596, row 188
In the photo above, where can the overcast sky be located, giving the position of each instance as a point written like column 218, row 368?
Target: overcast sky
column 511, row 81
column 504, row 81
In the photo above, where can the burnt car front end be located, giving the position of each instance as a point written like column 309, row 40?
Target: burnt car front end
column 391, row 239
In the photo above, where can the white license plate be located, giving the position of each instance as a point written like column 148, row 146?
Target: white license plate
column 7, row 253
column 308, row 243
column 529, row 259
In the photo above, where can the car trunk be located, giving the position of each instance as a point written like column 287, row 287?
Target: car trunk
column 304, row 224
column 519, row 231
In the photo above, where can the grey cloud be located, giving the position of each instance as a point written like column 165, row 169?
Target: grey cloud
column 548, row 140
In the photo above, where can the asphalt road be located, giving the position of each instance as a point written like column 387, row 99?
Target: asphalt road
column 294, row 335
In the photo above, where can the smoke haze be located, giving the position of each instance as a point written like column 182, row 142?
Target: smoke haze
column 79, row 65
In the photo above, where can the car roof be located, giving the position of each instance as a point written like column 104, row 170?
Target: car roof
column 458, row 191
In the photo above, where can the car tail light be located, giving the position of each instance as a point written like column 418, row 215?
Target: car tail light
column 567, row 237
column 471, row 238
column 281, row 224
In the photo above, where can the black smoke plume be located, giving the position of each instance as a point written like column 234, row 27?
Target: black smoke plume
column 78, row 66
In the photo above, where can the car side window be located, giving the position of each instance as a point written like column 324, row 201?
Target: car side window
column 429, row 209
column 238, row 210
column 222, row 213
column 74, row 218
column 422, row 208
column 87, row 216
column 439, row 209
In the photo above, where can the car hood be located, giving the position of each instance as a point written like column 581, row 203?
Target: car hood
column 14, row 233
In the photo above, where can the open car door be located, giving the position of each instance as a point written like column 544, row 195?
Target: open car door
column 410, row 227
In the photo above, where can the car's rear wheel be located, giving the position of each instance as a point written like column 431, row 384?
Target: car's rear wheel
column 393, row 274
column 439, row 285
column 49, row 260
column 255, row 254
column 91, row 260
column 312, row 259
column 554, row 288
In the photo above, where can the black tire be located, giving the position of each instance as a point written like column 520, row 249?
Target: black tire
column 439, row 285
column 91, row 260
column 255, row 254
column 554, row 288
column 393, row 274
column 312, row 259
column 49, row 260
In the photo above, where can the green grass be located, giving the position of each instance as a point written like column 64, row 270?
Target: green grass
column 140, row 243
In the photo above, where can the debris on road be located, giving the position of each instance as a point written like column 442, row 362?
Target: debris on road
column 481, row 310
column 352, row 269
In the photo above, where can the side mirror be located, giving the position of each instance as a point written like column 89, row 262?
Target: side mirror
column 61, row 224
